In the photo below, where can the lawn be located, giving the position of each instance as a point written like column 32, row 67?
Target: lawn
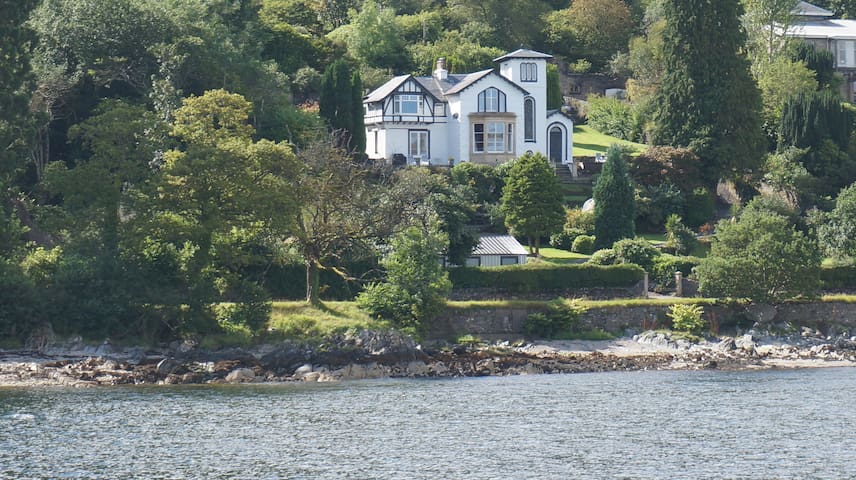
column 588, row 142
column 299, row 319
column 554, row 255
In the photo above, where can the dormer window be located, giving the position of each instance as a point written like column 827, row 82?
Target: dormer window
column 491, row 100
column 528, row 72
column 407, row 105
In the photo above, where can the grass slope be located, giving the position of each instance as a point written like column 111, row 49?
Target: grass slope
column 588, row 142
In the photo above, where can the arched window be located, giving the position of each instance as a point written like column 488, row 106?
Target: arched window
column 528, row 72
column 491, row 100
column 529, row 119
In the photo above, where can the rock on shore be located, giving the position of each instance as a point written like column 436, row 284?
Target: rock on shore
column 366, row 355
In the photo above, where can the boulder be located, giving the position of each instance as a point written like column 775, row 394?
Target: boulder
column 241, row 375
column 745, row 343
column 286, row 358
column 167, row 366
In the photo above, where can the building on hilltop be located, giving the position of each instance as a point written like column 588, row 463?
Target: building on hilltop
column 486, row 117
column 816, row 26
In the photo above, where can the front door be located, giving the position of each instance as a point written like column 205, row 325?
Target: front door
column 557, row 141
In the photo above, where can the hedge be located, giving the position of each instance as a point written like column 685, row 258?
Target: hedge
column 840, row 277
column 541, row 277
column 665, row 266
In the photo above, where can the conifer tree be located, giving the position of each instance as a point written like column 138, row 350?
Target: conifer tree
column 341, row 105
column 613, row 201
column 708, row 100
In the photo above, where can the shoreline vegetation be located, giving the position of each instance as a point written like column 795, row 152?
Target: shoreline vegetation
column 388, row 354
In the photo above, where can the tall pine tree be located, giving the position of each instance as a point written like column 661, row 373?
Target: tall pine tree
column 613, row 201
column 708, row 100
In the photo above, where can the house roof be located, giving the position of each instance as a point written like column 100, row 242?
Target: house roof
column 523, row 53
column 468, row 80
column 550, row 113
column 832, row 28
column 805, row 9
column 499, row 245
column 384, row 90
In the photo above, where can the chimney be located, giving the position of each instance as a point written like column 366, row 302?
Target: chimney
column 441, row 73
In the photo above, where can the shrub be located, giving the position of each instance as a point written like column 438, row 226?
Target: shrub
column 537, row 277
column 562, row 319
column 637, row 251
column 564, row 240
column 614, row 117
column 698, row 207
column 604, row 256
column 679, row 238
column 583, row 244
column 613, row 201
column 665, row 266
column 687, row 318
column 655, row 203
column 838, row 277
column 577, row 219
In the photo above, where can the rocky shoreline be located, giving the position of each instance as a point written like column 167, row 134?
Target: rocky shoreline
column 370, row 354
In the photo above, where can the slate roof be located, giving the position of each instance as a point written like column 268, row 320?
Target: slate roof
column 468, row 80
column 384, row 90
column 499, row 245
column 834, row 28
column 522, row 53
column 805, row 9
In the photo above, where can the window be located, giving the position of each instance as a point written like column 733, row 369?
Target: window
column 491, row 100
column 529, row 119
column 528, row 72
column 407, row 104
column 478, row 137
column 842, row 52
column 508, row 260
column 419, row 144
column 472, row 262
column 374, row 135
column 493, row 137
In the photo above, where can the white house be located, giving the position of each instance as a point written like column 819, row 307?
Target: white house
column 815, row 25
column 485, row 117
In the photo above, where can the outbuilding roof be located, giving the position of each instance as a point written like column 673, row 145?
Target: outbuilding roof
column 499, row 245
column 805, row 9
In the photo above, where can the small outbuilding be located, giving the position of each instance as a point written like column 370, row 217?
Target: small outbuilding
column 497, row 250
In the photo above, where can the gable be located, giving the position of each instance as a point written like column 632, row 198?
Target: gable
column 479, row 77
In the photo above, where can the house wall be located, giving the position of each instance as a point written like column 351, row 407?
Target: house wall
column 466, row 102
column 396, row 139
column 511, row 69
column 496, row 260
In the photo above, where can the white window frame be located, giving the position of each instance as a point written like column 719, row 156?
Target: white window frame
column 493, row 137
column 529, row 119
column 402, row 100
column 422, row 138
column 843, row 51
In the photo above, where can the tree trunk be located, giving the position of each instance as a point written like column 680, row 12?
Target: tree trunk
column 312, row 282
column 538, row 246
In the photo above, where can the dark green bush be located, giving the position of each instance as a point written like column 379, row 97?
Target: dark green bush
column 838, row 277
column 564, row 240
column 698, row 209
column 665, row 266
column 604, row 256
column 636, row 250
column 562, row 320
column 583, row 244
column 545, row 277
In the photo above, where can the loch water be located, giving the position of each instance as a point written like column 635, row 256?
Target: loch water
column 796, row 424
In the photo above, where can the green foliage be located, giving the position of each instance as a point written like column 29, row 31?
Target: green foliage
column 531, row 199
column 485, row 181
column 637, row 251
column 564, row 240
column 838, row 277
column 561, row 320
column 655, row 203
column 462, row 54
column 583, row 244
column 679, row 238
column 554, row 88
column 416, row 283
column 593, row 29
column 699, row 207
column 613, row 201
column 658, row 165
column 374, row 38
column 760, row 256
column 604, row 256
column 577, row 219
column 687, row 318
column 820, row 61
column 837, row 234
column 341, row 106
column 778, row 80
column 784, row 172
column 537, row 277
column 614, row 117
column 707, row 99
column 810, row 118
column 665, row 266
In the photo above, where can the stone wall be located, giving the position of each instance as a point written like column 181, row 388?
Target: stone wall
column 507, row 323
column 467, row 294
